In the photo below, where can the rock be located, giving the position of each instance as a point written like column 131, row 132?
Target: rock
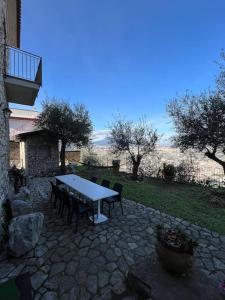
column 24, row 233
column 132, row 245
column 103, row 278
column 92, row 284
column 57, row 268
column 43, row 195
column 50, row 296
column 37, row 279
column 20, row 207
column 24, row 194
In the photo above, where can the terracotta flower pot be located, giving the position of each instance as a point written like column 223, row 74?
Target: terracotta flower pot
column 173, row 261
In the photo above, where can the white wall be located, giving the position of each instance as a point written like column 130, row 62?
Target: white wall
column 18, row 126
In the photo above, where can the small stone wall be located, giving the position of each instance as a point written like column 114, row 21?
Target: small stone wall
column 73, row 156
column 41, row 154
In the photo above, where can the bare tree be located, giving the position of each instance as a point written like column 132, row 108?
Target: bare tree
column 138, row 140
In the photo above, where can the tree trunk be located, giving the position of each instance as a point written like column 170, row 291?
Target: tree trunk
column 136, row 164
column 62, row 157
column 216, row 159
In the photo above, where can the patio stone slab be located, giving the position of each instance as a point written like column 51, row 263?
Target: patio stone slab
column 92, row 263
column 147, row 278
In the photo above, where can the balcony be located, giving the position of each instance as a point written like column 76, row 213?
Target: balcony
column 23, row 76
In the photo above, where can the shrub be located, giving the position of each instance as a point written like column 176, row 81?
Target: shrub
column 151, row 166
column 169, row 172
column 185, row 172
column 91, row 159
column 116, row 165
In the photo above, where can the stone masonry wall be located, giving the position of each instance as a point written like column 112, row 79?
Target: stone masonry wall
column 14, row 154
column 4, row 123
column 41, row 155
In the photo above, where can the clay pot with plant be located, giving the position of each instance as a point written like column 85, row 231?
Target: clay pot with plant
column 175, row 250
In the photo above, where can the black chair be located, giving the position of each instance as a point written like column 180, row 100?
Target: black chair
column 105, row 183
column 55, row 193
column 81, row 209
column 65, row 201
column 111, row 200
column 94, row 179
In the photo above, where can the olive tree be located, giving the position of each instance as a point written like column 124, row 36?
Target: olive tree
column 71, row 125
column 136, row 139
column 199, row 122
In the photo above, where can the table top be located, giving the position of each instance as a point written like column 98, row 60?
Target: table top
column 87, row 188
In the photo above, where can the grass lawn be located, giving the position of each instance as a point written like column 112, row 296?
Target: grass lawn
column 189, row 202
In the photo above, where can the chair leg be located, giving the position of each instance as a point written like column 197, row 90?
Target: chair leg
column 58, row 206
column 71, row 216
column 109, row 208
column 77, row 222
column 121, row 206
column 62, row 210
column 55, row 200
column 93, row 217
column 68, row 215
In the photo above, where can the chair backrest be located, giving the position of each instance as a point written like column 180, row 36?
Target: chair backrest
column 94, row 179
column 118, row 187
column 76, row 203
column 64, row 197
column 105, row 183
column 54, row 187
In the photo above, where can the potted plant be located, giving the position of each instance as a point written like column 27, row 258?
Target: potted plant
column 116, row 165
column 175, row 250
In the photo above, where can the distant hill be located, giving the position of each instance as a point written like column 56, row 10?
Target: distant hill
column 103, row 142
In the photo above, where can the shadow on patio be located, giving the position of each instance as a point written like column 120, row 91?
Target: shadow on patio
column 91, row 263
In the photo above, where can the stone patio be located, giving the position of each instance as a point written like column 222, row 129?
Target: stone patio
column 92, row 263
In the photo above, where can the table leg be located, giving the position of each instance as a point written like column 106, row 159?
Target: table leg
column 99, row 208
column 99, row 218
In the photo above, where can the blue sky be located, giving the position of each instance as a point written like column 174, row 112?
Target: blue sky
column 124, row 56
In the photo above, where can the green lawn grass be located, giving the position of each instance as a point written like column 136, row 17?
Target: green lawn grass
column 186, row 201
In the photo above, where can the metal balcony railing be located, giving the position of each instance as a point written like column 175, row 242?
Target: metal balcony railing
column 24, row 65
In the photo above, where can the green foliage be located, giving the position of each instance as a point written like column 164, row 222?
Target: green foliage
column 199, row 121
column 169, row 171
column 91, row 159
column 186, row 201
column 69, row 125
column 138, row 140
column 185, row 172
column 72, row 125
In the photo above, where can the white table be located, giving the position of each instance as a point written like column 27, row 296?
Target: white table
column 91, row 190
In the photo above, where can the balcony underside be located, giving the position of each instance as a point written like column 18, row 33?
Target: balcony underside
column 21, row 91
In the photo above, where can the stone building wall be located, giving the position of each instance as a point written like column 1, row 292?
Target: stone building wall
column 14, row 154
column 4, row 122
column 41, row 154
column 73, row 156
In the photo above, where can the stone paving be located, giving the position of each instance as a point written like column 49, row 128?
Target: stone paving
column 91, row 263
